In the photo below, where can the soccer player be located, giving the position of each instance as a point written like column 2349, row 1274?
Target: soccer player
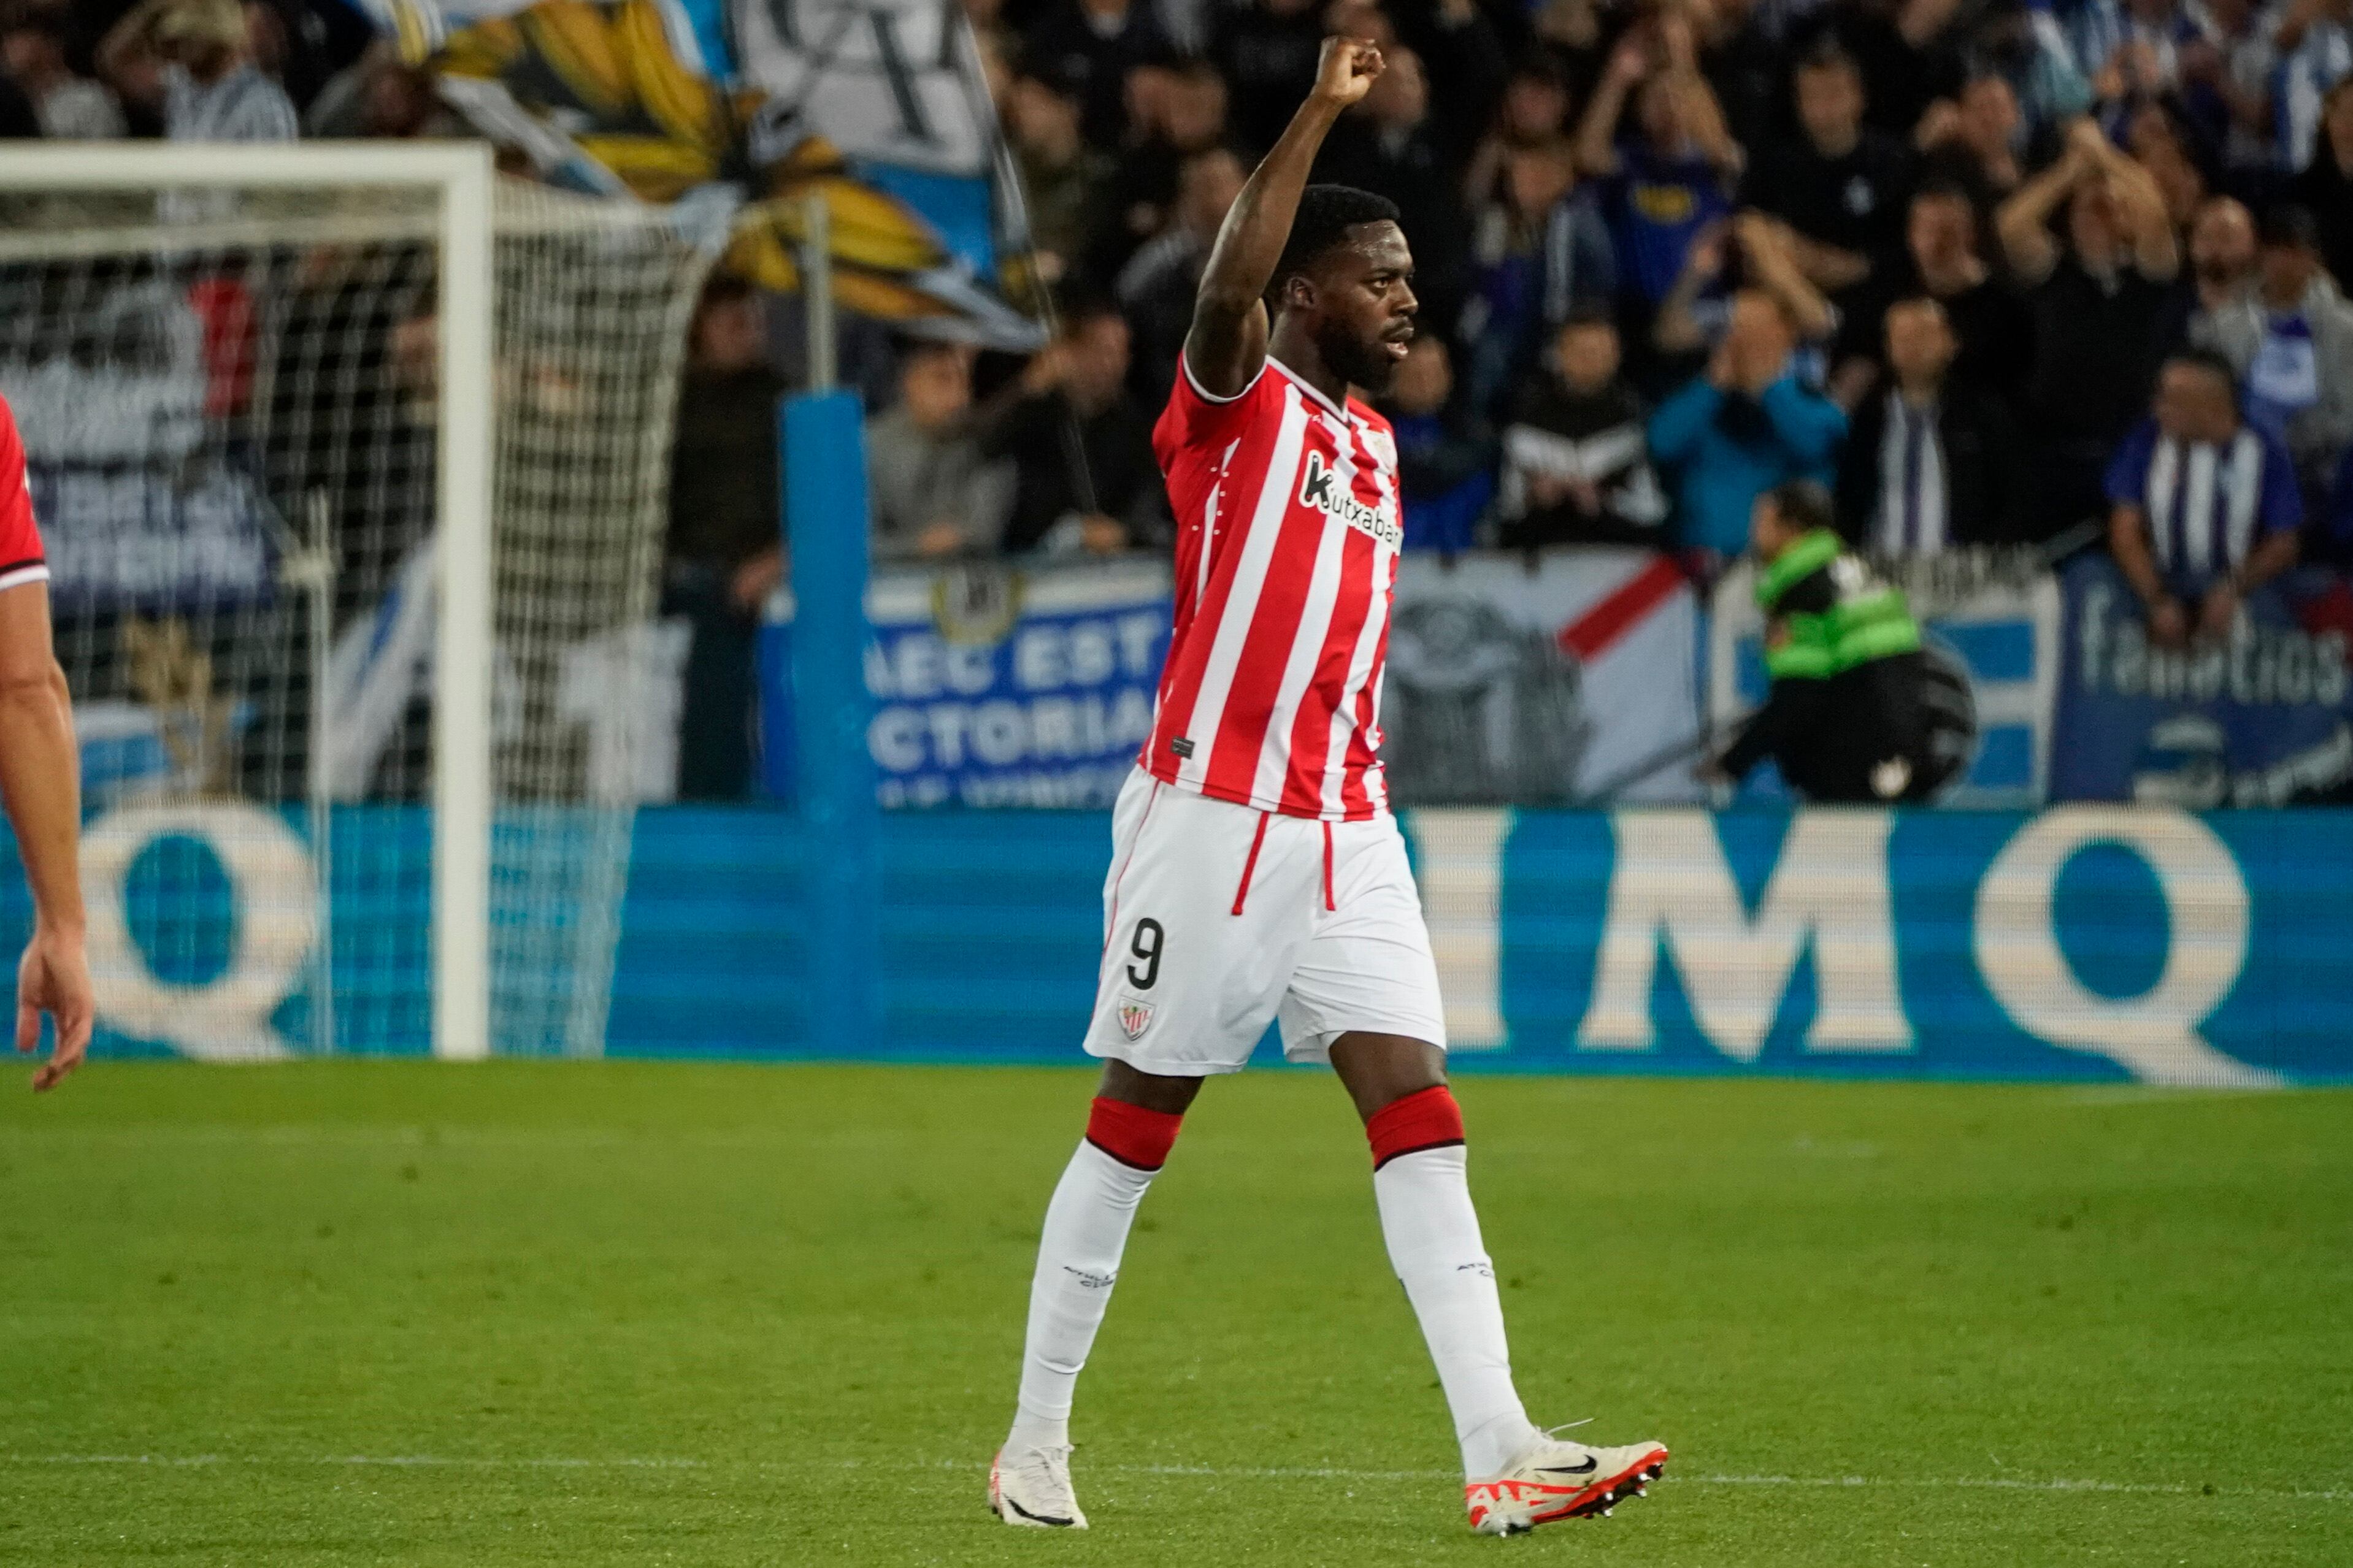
column 40, row 779
column 1256, row 873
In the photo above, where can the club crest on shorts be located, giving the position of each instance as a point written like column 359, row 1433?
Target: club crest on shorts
column 1134, row 1017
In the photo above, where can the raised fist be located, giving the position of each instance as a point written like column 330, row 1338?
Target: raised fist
column 1345, row 72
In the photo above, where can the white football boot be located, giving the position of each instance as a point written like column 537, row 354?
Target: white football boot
column 1555, row 1478
column 1033, row 1488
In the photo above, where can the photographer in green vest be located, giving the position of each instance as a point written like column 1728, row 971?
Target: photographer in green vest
column 1858, row 714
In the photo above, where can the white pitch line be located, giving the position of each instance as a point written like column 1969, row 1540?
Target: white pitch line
column 1210, row 1472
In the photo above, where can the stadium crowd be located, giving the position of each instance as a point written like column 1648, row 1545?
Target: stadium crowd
column 1998, row 272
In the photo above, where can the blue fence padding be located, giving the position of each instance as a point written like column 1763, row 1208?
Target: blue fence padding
column 990, row 934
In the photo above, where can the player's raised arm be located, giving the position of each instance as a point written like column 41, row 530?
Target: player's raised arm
column 1228, row 341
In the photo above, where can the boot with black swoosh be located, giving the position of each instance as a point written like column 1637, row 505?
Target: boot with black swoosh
column 1033, row 1488
column 1555, row 1478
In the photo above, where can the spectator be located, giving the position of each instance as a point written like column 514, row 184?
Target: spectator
column 723, row 555
column 1744, row 426
column 1387, row 145
column 1532, row 117
column 1668, row 182
column 2315, row 39
column 71, row 108
column 1576, row 465
column 1695, row 312
column 1446, row 453
column 933, row 495
column 1840, row 185
column 379, row 95
column 1976, row 141
column 2221, row 256
column 1091, row 45
column 1063, row 179
column 2226, row 77
column 1992, row 327
column 1932, row 463
column 1084, row 478
column 1156, row 286
column 2160, row 144
column 2101, row 307
column 2024, row 46
column 1266, row 50
column 1537, row 252
column 1188, row 116
column 2325, row 188
column 195, row 57
column 2204, row 509
column 2290, row 341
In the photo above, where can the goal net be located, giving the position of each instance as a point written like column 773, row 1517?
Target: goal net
column 352, row 468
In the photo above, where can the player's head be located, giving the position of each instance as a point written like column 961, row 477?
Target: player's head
column 1345, row 278
column 1787, row 513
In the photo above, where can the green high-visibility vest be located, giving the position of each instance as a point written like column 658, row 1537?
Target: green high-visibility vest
column 1867, row 618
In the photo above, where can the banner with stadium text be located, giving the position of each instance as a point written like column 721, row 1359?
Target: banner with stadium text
column 993, row 687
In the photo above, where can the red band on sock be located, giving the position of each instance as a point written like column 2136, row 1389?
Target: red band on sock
column 1130, row 1134
column 1428, row 1118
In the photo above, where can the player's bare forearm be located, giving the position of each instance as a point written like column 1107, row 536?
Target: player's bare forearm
column 39, row 772
column 1228, row 341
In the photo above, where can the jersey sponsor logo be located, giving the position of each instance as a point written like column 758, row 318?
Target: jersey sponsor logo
column 1182, row 745
column 1134, row 1017
column 1320, row 488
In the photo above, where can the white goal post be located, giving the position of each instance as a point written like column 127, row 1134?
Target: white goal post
column 281, row 215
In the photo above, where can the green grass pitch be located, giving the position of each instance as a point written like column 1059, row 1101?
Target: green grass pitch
column 581, row 1314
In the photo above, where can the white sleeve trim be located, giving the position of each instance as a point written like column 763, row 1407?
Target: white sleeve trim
column 1203, row 393
column 39, row 571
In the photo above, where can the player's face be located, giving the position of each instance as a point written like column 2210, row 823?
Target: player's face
column 1365, row 306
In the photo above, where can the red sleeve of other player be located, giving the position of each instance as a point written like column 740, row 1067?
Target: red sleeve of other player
column 21, row 559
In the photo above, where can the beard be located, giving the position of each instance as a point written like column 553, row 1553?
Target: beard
column 1364, row 361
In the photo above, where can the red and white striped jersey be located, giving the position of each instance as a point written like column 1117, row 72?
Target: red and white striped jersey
column 21, row 559
column 1287, row 533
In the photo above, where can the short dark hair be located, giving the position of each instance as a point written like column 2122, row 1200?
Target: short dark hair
column 2213, row 364
column 2288, row 227
column 1588, row 315
column 1827, row 54
column 1326, row 213
column 1803, row 504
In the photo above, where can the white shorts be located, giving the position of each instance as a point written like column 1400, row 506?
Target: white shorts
column 1205, row 941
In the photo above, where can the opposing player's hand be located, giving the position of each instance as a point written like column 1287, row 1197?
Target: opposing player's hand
column 54, row 978
column 1346, row 70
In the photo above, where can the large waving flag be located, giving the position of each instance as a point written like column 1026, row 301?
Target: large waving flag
column 880, row 107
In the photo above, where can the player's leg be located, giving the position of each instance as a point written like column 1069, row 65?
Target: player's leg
column 1421, row 1184
column 1365, row 996
column 1193, row 964
column 1129, row 1129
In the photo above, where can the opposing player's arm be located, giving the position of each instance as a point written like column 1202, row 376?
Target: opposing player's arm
column 1227, row 343
column 38, row 780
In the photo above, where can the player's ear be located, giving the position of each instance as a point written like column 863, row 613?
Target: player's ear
column 1299, row 292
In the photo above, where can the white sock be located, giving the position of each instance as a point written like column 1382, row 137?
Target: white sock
column 1434, row 1237
column 1077, row 1261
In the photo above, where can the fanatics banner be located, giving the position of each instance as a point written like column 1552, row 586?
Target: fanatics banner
column 2264, row 718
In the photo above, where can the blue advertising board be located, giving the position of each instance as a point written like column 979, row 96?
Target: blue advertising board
column 2085, row 942
column 2262, row 719
column 994, row 688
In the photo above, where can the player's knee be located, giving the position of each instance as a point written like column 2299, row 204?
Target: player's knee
column 1133, row 1134
column 1169, row 1095
column 1426, row 1118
